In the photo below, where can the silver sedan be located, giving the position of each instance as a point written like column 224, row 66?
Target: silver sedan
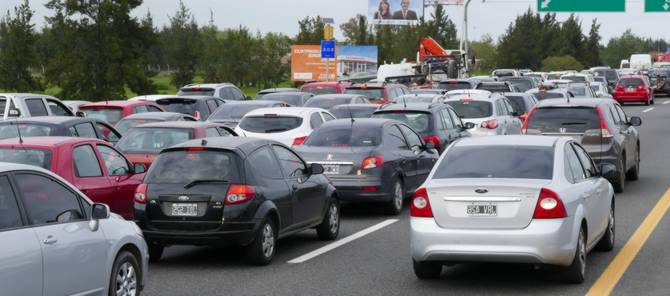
column 519, row 199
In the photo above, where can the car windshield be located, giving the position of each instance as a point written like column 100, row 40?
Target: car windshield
column 471, row 108
column 196, row 92
column 233, row 111
column 152, row 139
column 110, row 115
column 326, row 103
column 169, row 167
column 320, row 90
column 564, row 120
column 352, row 112
column 419, row 121
column 270, row 123
column 654, row 73
column 449, row 86
column 542, row 95
column 494, row 87
column 489, row 162
column 344, row 136
column 125, row 124
column 29, row 156
column 370, row 93
column 183, row 106
column 12, row 129
column 518, row 103
column 293, row 100
column 631, row 82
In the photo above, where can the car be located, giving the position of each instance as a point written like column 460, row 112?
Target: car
column 556, row 93
column 329, row 101
column 295, row 99
column 223, row 91
column 521, row 83
column 262, row 93
column 600, row 126
column 113, row 111
column 231, row 113
column 142, row 143
column 289, row 126
column 492, row 114
column 634, row 88
column 418, row 98
column 434, row 122
column 660, row 80
column 505, row 73
column 521, row 103
column 378, row 92
column 323, row 88
column 456, row 84
column 152, row 98
column 497, row 87
column 30, row 105
column 52, row 226
column 541, row 76
column 600, row 89
column 200, row 107
column 578, row 77
column 370, row 160
column 74, row 105
column 428, row 91
column 554, row 75
column 59, row 126
column 354, row 110
column 240, row 191
column 515, row 199
column 149, row 117
column 611, row 75
column 93, row 166
column 582, row 90
column 559, row 83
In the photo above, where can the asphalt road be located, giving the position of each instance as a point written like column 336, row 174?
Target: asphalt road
column 379, row 262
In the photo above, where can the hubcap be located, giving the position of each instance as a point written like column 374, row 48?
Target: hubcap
column 268, row 240
column 126, row 280
column 582, row 253
column 334, row 218
column 397, row 198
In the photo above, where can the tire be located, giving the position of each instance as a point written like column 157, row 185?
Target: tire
column 620, row 183
column 155, row 252
column 125, row 277
column 667, row 94
column 606, row 242
column 394, row 207
column 427, row 270
column 647, row 102
column 329, row 228
column 634, row 173
column 574, row 274
column 264, row 246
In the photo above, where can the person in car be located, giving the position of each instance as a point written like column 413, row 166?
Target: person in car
column 405, row 13
column 384, row 11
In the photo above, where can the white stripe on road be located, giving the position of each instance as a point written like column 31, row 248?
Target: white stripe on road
column 346, row 240
column 647, row 110
column 666, row 102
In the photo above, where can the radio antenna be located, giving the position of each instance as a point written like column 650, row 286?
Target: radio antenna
column 18, row 131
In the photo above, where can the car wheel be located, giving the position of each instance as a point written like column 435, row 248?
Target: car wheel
column 262, row 248
column 667, row 94
column 395, row 205
column 606, row 243
column 124, row 280
column 155, row 252
column 634, row 173
column 330, row 226
column 647, row 102
column 427, row 270
column 621, row 179
column 574, row 273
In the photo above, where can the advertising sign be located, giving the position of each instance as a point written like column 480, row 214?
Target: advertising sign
column 307, row 64
column 356, row 59
column 395, row 12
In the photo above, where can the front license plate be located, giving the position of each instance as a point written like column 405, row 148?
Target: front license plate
column 185, row 209
column 482, row 210
column 330, row 169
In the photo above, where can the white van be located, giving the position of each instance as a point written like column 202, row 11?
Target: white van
column 640, row 61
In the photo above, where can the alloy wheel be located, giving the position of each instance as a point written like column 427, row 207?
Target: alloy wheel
column 126, row 280
column 333, row 218
column 268, row 240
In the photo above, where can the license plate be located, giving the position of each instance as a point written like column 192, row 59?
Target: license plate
column 185, row 209
column 482, row 210
column 331, row 169
column 630, row 90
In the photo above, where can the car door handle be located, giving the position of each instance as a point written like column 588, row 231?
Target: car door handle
column 50, row 240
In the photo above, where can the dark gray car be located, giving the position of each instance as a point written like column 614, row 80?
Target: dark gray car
column 295, row 99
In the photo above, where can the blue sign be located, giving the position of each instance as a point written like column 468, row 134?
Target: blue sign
column 327, row 49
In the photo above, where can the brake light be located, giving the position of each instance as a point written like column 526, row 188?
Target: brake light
column 619, row 88
column 238, row 194
column 433, row 139
column 195, row 149
column 141, row 194
column 490, row 124
column 549, row 206
column 372, row 162
column 523, row 116
column 604, row 130
column 196, row 115
column 524, row 128
column 299, row 141
column 420, row 206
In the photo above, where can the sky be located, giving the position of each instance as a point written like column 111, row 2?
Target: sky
column 490, row 17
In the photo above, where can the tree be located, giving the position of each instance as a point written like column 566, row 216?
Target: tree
column 440, row 28
column 571, row 38
column 182, row 45
column 591, row 52
column 17, row 50
column 486, row 53
column 558, row 63
column 522, row 44
column 310, row 31
column 622, row 47
column 357, row 31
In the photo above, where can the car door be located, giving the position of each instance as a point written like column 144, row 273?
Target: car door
column 120, row 174
column 58, row 109
column 36, row 107
column 71, row 247
column 424, row 159
column 20, row 252
column 405, row 159
column 458, row 124
column 88, row 175
column 514, row 122
column 446, row 127
column 267, row 175
column 630, row 135
column 593, row 194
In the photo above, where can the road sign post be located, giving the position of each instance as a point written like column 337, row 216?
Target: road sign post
column 657, row 5
column 327, row 52
column 582, row 5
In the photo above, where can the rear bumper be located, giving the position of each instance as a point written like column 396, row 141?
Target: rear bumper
column 351, row 189
column 550, row 241
column 630, row 98
column 229, row 233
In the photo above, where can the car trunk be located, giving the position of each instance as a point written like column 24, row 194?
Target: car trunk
column 337, row 160
column 169, row 203
column 582, row 124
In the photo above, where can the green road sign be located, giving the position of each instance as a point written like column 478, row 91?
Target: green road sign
column 583, row 5
column 657, row 5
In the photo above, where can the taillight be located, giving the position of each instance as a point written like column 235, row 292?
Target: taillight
column 604, row 130
column 196, row 115
column 141, row 194
column 549, row 206
column 523, row 116
column 433, row 139
column 619, row 88
column 524, row 128
column 299, row 141
column 238, row 194
column 372, row 162
column 490, row 124
column 420, row 206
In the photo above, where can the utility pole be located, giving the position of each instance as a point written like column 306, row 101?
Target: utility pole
column 465, row 44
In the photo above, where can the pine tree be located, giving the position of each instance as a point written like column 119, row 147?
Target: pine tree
column 183, row 46
column 17, row 50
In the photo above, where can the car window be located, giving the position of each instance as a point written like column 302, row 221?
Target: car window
column 211, row 104
column 315, row 120
column 170, row 166
column 446, row 119
column 153, row 109
column 29, row 156
column 115, row 163
column 290, row 163
column 36, row 107
column 270, row 123
column 263, row 158
column 490, row 161
column 212, row 132
column 393, row 138
column 58, row 109
column 472, row 109
column 9, row 209
column 412, row 138
column 613, row 115
column 86, row 162
column 107, row 132
column 225, row 94
column 47, row 201
column 564, row 120
column 224, row 132
column 621, row 113
column 86, row 130
column 508, row 107
column 237, row 94
column 587, row 163
column 574, row 170
column 458, row 123
column 327, row 116
column 344, row 136
column 140, row 109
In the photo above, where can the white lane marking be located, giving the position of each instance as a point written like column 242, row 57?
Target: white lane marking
column 666, row 102
column 346, row 240
column 647, row 110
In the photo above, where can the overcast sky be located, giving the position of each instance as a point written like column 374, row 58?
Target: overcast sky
column 486, row 16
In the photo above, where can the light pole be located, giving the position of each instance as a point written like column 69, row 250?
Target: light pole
column 465, row 46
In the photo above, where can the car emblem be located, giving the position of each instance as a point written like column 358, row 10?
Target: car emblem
column 329, row 157
column 183, row 198
column 481, row 190
column 563, row 130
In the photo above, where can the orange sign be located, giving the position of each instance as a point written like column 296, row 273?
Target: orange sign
column 307, row 64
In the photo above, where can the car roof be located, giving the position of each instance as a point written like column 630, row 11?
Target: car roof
column 360, row 122
column 179, row 124
column 25, row 95
column 198, row 97
column 207, row 85
column 241, row 144
column 295, row 111
column 154, row 115
column 469, row 92
column 516, row 94
column 48, row 141
column 285, row 94
column 580, row 102
column 474, row 97
column 55, row 120
column 117, row 103
column 276, row 90
column 511, row 140
column 253, row 102
column 152, row 97
column 324, row 84
column 357, row 106
column 411, row 107
column 335, row 96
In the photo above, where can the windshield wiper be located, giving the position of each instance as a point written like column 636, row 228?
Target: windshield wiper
column 573, row 123
column 196, row 182
column 275, row 130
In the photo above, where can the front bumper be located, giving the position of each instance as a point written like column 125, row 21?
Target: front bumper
column 549, row 241
column 351, row 188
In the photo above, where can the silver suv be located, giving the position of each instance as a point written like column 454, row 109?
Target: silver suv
column 491, row 113
column 30, row 105
column 226, row 91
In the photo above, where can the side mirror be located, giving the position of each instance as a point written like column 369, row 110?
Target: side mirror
column 469, row 125
column 608, row 171
column 315, row 169
column 100, row 211
column 14, row 112
column 635, row 121
column 80, row 114
column 139, row 168
column 429, row 146
column 516, row 113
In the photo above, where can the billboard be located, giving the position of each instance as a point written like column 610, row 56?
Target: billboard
column 395, row 12
column 444, row 2
column 307, row 64
column 356, row 59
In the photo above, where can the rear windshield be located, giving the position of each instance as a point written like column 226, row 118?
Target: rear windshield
column 352, row 112
column 419, row 121
column 610, row 75
column 553, row 76
column 152, row 140
column 270, row 124
column 574, row 78
column 292, row 100
column 344, row 137
column 548, row 95
column 370, row 93
column 11, row 130
column 630, row 82
column 110, row 115
column 522, row 85
column 518, row 103
column 414, row 99
column 326, row 103
column 320, row 90
column 36, row 157
column 494, row 87
column 196, row 92
column 233, row 111
column 183, row 106
column 578, row 90
column 169, row 167
column 472, row 109
column 449, row 86
column 564, row 120
column 513, row 162
column 125, row 124
column 503, row 73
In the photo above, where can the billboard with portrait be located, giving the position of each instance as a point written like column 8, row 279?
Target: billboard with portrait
column 395, row 12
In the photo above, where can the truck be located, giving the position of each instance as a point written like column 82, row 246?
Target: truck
column 640, row 61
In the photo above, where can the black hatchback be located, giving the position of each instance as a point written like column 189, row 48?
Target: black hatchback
column 242, row 191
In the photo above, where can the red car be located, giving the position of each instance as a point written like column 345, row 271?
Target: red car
column 91, row 165
column 634, row 88
column 378, row 93
column 324, row 88
column 113, row 111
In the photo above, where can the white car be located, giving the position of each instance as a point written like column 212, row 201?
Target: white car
column 517, row 199
column 578, row 77
column 152, row 98
column 491, row 113
column 290, row 126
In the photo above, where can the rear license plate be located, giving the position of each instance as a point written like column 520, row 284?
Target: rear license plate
column 185, row 209
column 331, row 169
column 630, row 90
column 482, row 210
